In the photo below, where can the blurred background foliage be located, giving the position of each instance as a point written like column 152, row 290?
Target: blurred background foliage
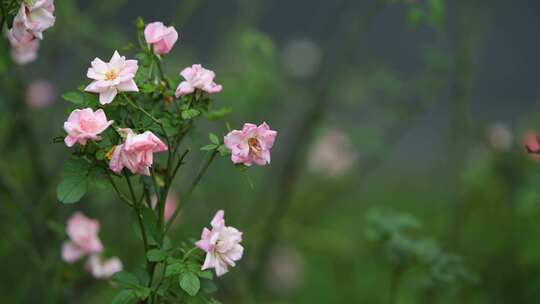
column 398, row 175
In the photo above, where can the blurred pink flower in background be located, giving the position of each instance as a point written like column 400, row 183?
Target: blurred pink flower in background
column 160, row 37
column 103, row 269
column 531, row 142
column 24, row 48
column 136, row 153
column 170, row 204
column 85, row 124
column 83, row 238
column 112, row 77
column 40, row 93
column 34, row 17
column 197, row 77
column 500, row 137
column 285, row 269
column 332, row 154
column 221, row 244
column 251, row 145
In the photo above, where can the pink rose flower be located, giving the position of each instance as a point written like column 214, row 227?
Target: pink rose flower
column 24, row 48
column 170, row 204
column 112, row 77
column 197, row 77
column 160, row 37
column 221, row 244
column 85, row 124
column 251, row 145
column 39, row 94
column 136, row 153
column 83, row 235
column 531, row 141
column 103, row 269
column 34, row 18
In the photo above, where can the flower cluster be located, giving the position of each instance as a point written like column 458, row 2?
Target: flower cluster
column 33, row 18
column 126, row 115
column 84, row 241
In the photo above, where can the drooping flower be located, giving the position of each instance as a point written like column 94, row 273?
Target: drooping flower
column 103, row 269
column 85, row 124
column 171, row 204
column 221, row 244
column 332, row 154
column 34, row 17
column 83, row 235
column 40, row 93
column 160, row 37
column 136, row 153
column 112, row 77
column 251, row 145
column 197, row 77
column 24, row 48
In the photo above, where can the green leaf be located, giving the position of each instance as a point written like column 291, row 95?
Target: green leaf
column 142, row 292
column 190, row 283
column 206, row 274
column 223, row 150
column 173, row 269
column 209, row 287
column 75, row 181
column 219, row 113
column 126, row 279
column 209, row 147
column 213, row 138
column 74, row 97
column 190, row 114
column 156, row 255
column 124, row 297
column 415, row 16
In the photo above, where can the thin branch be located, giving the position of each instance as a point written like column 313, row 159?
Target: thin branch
column 194, row 184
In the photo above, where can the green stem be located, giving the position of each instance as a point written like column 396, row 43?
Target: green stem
column 137, row 208
column 194, row 184
column 395, row 280
column 123, row 198
column 139, row 108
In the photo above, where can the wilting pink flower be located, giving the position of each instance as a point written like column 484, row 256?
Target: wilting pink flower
column 24, row 48
column 112, row 77
column 136, row 153
column 333, row 154
column 103, row 269
column 251, row 145
column 221, row 244
column 85, row 124
column 39, row 94
column 160, row 37
column 170, row 204
column 83, row 235
column 197, row 77
column 34, row 17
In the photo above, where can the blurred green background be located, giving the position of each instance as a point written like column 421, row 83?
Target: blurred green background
column 398, row 175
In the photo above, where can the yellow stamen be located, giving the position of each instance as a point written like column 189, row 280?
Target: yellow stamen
column 111, row 75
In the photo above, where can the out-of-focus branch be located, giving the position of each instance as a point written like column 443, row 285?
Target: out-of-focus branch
column 288, row 174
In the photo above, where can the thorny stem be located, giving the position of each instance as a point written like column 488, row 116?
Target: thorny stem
column 194, row 184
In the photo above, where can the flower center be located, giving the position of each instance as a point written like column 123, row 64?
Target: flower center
column 88, row 125
column 254, row 145
column 111, row 75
